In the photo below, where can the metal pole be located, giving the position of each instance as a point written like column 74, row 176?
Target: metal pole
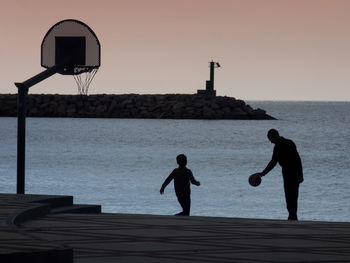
column 21, row 136
column 21, row 120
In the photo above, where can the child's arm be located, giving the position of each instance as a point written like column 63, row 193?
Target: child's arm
column 194, row 181
column 166, row 182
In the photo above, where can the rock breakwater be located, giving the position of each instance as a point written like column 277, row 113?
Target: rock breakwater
column 169, row 106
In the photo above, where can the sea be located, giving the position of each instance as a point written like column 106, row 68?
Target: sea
column 122, row 163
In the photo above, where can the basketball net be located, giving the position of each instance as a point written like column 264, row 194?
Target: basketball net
column 84, row 79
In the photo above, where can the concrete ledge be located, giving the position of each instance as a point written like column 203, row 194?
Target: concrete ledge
column 55, row 201
column 63, row 255
column 37, row 205
column 22, row 215
column 16, row 245
column 79, row 208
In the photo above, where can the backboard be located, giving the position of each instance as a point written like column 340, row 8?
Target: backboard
column 73, row 45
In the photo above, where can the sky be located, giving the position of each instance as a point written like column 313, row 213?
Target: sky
column 268, row 49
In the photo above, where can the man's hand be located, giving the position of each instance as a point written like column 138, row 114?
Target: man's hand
column 198, row 183
column 300, row 179
column 161, row 191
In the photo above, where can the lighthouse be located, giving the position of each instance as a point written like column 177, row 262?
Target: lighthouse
column 209, row 87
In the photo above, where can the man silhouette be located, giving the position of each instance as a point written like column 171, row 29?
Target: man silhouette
column 285, row 153
column 182, row 178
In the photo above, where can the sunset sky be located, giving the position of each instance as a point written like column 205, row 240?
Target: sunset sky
column 268, row 49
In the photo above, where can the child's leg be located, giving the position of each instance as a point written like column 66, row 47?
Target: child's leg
column 185, row 202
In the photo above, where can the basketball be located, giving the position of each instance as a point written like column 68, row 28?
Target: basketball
column 255, row 179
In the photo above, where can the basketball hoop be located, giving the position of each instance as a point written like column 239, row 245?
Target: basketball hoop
column 74, row 47
column 83, row 78
column 70, row 47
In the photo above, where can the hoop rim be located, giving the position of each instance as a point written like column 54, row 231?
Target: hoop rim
column 76, row 69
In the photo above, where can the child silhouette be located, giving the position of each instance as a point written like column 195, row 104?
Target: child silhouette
column 182, row 178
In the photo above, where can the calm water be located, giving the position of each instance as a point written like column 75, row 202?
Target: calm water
column 121, row 163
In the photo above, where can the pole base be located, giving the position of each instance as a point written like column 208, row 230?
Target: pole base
column 205, row 92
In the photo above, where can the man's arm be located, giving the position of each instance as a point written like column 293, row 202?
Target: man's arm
column 269, row 167
column 166, row 182
column 272, row 163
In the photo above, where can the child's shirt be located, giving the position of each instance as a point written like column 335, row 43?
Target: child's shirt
column 182, row 177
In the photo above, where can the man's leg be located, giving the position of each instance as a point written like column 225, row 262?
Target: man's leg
column 291, row 190
column 185, row 202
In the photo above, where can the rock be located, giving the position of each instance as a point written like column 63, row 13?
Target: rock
column 239, row 113
column 208, row 113
column 71, row 110
column 101, row 109
column 178, row 108
column 61, row 110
